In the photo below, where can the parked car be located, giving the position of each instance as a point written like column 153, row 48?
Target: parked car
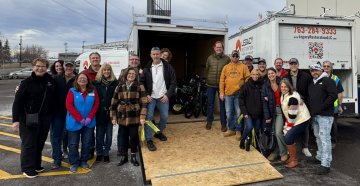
column 23, row 73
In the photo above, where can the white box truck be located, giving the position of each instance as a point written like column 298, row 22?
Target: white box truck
column 118, row 59
column 190, row 44
column 310, row 40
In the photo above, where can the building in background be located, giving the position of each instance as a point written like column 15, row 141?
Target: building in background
column 70, row 56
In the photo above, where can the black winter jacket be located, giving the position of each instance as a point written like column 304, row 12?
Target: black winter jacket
column 303, row 80
column 105, row 96
column 268, row 98
column 29, row 97
column 322, row 96
column 169, row 77
column 250, row 98
column 61, row 90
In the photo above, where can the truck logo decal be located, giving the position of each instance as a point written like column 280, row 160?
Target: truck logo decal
column 238, row 45
column 247, row 41
column 86, row 64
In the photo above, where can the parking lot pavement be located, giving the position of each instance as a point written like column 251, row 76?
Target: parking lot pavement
column 100, row 173
column 345, row 166
column 345, row 169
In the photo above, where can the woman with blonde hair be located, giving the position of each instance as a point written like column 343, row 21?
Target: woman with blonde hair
column 296, row 117
column 105, row 84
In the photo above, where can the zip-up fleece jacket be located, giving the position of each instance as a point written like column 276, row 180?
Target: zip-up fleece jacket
column 233, row 77
column 250, row 98
column 214, row 66
column 322, row 95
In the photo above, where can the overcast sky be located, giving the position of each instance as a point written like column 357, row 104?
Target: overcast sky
column 51, row 23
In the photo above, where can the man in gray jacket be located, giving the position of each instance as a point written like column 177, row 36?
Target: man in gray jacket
column 214, row 65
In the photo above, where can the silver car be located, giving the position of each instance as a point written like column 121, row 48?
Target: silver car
column 23, row 73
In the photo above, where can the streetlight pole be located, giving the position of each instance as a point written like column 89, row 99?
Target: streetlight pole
column 20, row 51
column 83, row 47
column 105, row 21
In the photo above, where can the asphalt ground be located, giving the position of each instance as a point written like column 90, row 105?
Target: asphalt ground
column 345, row 166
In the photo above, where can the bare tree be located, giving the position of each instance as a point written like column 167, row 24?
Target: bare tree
column 30, row 53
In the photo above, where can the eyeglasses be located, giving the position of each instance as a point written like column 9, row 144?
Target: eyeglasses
column 326, row 66
column 82, row 78
column 39, row 66
column 235, row 56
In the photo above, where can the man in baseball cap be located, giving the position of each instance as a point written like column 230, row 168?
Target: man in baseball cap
column 262, row 68
column 322, row 94
column 248, row 61
column 300, row 80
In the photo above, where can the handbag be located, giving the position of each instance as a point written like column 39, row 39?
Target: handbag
column 267, row 141
column 32, row 120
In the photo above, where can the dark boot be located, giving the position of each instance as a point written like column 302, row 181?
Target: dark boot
column 247, row 143
column 242, row 144
column 123, row 159
column 99, row 158
column 133, row 160
column 292, row 161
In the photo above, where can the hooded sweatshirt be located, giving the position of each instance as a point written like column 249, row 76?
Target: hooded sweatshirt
column 322, row 94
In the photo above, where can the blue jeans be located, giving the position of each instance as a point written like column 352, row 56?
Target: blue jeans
column 56, row 137
column 278, row 125
column 322, row 128
column 164, row 113
column 74, row 138
column 251, row 123
column 210, row 110
column 232, row 111
column 104, row 135
column 294, row 132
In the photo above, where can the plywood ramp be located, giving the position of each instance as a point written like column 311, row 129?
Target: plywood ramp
column 196, row 156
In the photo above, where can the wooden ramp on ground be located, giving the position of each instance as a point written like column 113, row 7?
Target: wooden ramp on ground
column 195, row 156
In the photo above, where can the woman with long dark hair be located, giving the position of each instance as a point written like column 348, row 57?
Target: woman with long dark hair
column 272, row 112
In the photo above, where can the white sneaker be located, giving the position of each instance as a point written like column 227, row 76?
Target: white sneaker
column 306, row 152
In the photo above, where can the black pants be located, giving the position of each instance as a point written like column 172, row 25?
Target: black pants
column 32, row 144
column 129, row 131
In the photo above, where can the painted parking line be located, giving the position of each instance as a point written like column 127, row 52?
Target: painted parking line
column 10, row 135
column 5, row 175
column 5, row 117
column 5, row 125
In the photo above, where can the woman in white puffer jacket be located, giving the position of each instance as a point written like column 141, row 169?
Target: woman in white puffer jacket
column 296, row 116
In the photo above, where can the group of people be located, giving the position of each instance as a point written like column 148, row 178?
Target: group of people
column 85, row 106
column 285, row 102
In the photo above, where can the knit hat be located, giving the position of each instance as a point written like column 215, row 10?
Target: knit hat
column 293, row 109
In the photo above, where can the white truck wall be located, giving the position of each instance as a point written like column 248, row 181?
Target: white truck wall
column 312, row 43
column 309, row 40
column 257, row 43
column 118, row 59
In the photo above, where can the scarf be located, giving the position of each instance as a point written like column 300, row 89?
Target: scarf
column 105, row 81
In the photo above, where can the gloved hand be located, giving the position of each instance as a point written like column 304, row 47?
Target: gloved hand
column 82, row 122
column 87, row 121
